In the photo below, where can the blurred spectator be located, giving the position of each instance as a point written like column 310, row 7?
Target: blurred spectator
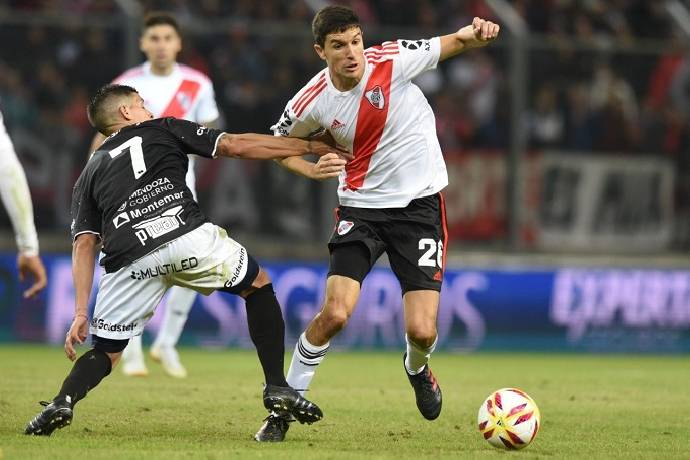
column 580, row 123
column 546, row 122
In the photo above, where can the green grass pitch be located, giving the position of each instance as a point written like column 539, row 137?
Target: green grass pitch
column 592, row 406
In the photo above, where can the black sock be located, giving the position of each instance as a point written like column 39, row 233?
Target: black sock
column 267, row 330
column 86, row 373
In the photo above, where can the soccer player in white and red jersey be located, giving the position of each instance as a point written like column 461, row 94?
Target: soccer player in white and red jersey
column 14, row 192
column 169, row 89
column 390, row 193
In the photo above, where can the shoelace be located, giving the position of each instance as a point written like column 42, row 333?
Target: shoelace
column 427, row 379
column 45, row 403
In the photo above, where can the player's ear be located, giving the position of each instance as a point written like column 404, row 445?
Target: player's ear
column 124, row 112
column 319, row 51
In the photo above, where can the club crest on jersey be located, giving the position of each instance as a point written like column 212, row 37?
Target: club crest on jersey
column 344, row 226
column 375, row 97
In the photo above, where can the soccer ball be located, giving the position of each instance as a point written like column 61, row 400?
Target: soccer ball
column 509, row 419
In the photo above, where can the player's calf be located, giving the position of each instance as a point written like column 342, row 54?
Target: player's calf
column 86, row 374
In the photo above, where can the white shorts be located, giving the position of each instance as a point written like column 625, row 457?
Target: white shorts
column 205, row 259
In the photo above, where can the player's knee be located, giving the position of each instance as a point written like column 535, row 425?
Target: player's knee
column 422, row 335
column 336, row 313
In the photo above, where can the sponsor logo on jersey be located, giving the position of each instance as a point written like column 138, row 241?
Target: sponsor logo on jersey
column 337, row 124
column 284, row 123
column 416, row 44
column 122, row 206
column 238, row 269
column 201, row 130
column 158, row 226
column 154, row 205
column 98, row 323
column 344, row 226
column 375, row 97
column 152, row 188
column 165, row 269
column 120, row 220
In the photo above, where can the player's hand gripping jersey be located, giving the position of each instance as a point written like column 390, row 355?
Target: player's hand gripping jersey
column 385, row 121
column 138, row 177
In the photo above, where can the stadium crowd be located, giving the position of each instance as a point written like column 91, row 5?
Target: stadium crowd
column 603, row 76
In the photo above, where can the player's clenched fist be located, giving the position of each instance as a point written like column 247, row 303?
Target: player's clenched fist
column 479, row 33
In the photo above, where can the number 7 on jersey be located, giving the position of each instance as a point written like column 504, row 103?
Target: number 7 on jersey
column 136, row 154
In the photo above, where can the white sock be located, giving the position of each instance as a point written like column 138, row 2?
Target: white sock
column 417, row 357
column 180, row 301
column 304, row 361
column 133, row 350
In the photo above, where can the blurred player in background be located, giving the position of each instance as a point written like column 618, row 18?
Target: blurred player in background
column 132, row 199
column 389, row 194
column 17, row 200
column 175, row 90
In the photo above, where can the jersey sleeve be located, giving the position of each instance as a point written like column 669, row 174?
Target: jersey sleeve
column 195, row 138
column 86, row 216
column 417, row 56
column 15, row 195
column 207, row 110
column 299, row 118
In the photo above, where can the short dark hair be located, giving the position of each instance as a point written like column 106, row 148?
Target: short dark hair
column 334, row 18
column 157, row 18
column 104, row 104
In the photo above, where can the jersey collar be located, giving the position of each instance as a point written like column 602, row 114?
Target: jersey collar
column 147, row 70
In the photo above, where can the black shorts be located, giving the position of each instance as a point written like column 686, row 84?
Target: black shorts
column 414, row 238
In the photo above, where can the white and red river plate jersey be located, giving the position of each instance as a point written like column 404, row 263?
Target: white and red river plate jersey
column 385, row 121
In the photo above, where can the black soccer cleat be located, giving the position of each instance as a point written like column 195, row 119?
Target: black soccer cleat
column 284, row 400
column 57, row 414
column 274, row 428
column 427, row 392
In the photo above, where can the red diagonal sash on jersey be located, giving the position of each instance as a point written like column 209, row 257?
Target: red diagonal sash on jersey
column 182, row 100
column 371, row 119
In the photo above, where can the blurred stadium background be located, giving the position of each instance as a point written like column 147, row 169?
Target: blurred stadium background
column 567, row 144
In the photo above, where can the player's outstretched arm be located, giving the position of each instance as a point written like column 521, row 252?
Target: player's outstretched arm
column 84, row 252
column 266, row 147
column 327, row 167
column 480, row 33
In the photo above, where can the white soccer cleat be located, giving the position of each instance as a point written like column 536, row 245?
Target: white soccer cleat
column 133, row 363
column 170, row 360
